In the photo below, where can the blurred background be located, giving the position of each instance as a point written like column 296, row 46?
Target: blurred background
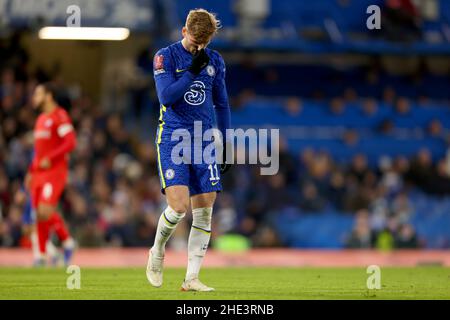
column 364, row 117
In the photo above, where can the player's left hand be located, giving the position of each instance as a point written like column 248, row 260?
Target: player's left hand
column 45, row 163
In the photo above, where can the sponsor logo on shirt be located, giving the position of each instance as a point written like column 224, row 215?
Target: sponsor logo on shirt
column 196, row 94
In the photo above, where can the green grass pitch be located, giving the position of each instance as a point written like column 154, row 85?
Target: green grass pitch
column 230, row 283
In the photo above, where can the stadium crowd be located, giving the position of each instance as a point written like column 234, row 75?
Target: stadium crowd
column 113, row 196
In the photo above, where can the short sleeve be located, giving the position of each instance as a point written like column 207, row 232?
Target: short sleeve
column 64, row 124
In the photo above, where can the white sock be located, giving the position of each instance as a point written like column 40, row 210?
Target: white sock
column 198, row 240
column 168, row 221
column 51, row 249
column 68, row 244
column 35, row 245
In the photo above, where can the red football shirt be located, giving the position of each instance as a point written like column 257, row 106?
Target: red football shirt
column 49, row 132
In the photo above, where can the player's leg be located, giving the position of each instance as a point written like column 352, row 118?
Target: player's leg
column 56, row 221
column 30, row 224
column 58, row 225
column 202, row 206
column 30, row 229
column 49, row 217
column 37, row 257
column 177, row 206
column 50, row 249
column 203, row 187
column 53, row 253
column 43, row 212
column 174, row 183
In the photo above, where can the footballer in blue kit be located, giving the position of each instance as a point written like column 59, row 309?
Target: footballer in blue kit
column 186, row 98
column 190, row 84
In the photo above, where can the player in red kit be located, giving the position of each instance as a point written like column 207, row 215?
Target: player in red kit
column 54, row 139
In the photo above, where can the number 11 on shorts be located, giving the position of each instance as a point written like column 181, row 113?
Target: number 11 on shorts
column 213, row 168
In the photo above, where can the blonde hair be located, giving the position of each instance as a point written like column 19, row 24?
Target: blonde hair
column 202, row 24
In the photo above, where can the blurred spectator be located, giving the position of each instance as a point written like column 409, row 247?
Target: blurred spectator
column 435, row 129
column 359, row 167
column 406, row 238
column 266, row 237
column 337, row 106
column 337, row 190
column 421, row 170
column 384, row 239
column 440, row 180
column 386, row 127
column 401, row 21
column 369, row 107
column 306, row 159
column 318, row 172
column 278, row 195
column 310, row 200
column 288, row 164
column 389, row 96
column 402, row 106
column 391, row 180
column 361, row 236
column 350, row 95
column 293, row 106
column 243, row 98
column 402, row 208
column 351, row 137
column 401, row 165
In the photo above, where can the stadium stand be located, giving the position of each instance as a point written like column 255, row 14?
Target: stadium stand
column 364, row 152
column 327, row 26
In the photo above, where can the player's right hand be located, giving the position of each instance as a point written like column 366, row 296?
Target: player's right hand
column 45, row 164
column 199, row 61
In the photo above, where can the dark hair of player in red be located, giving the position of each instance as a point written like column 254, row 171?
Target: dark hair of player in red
column 51, row 88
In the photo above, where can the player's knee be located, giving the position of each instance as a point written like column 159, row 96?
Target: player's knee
column 180, row 207
column 204, row 200
column 178, row 199
column 179, row 204
column 201, row 217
